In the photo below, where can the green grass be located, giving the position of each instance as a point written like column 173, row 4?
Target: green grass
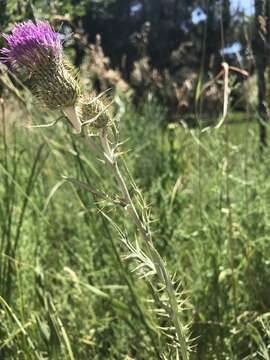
column 65, row 291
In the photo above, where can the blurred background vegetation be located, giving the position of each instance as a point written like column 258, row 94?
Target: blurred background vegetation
column 166, row 48
column 65, row 292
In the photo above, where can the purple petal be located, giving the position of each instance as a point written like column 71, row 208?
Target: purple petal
column 31, row 45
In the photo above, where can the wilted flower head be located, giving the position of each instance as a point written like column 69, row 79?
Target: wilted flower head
column 35, row 49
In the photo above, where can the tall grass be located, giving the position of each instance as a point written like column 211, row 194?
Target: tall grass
column 66, row 293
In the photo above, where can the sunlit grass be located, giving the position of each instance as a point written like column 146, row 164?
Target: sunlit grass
column 61, row 274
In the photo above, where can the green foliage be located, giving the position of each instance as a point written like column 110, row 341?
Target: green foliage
column 67, row 294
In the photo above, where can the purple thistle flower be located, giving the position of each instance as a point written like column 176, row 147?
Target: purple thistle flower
column 36, row 49
column 31, row 45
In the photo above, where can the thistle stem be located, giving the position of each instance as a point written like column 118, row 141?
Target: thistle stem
column 160, row 267
column 72, row 116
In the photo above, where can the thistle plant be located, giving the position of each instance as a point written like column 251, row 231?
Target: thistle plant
column 36, row 49
column 169, row 300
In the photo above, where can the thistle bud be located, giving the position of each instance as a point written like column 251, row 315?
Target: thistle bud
column 94, row 110
column 35, row 49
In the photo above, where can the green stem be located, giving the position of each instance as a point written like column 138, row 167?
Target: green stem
column 160, row 266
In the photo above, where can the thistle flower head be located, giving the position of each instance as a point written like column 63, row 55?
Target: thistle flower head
column 35, row 49
column 95, row 110
column 31, row 45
